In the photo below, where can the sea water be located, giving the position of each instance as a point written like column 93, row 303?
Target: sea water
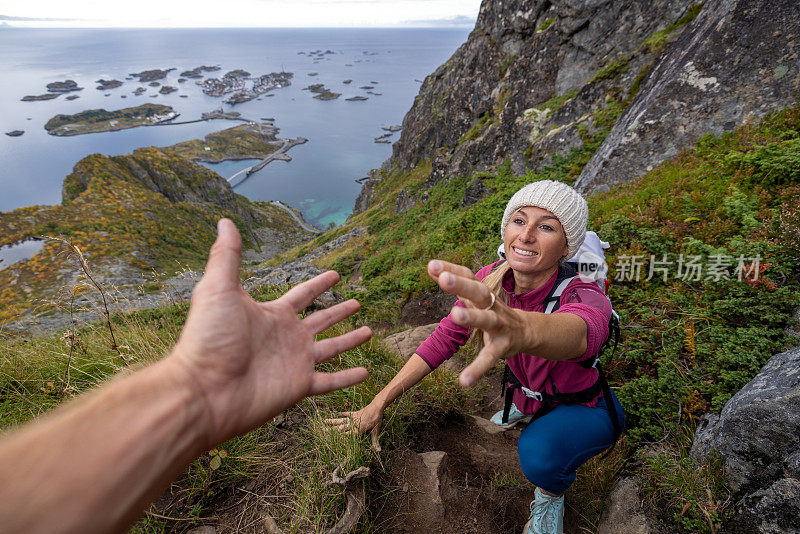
column 320, row 179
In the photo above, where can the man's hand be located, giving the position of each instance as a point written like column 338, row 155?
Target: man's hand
column 252, row 360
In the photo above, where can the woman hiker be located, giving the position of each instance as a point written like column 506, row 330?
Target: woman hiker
column 543, row 225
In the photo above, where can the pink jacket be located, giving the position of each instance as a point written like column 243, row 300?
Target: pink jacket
column 583, row 299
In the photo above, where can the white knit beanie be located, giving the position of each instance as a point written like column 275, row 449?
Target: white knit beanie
column 559, row 199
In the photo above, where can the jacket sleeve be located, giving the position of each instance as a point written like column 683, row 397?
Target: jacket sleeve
column 448, row 336
column 585, row 300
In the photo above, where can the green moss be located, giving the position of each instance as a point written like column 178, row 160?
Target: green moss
column 633, row 90
column 546, row 24
column 613, row 70
column 477, row 129
column 657, row 43
column 555, row 104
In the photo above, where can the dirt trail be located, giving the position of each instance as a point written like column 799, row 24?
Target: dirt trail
column 459, row 476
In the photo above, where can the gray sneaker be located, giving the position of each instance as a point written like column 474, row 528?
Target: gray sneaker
column 514, row 417
column 547, row 515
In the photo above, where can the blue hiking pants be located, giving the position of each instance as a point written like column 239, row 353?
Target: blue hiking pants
column 553, row 446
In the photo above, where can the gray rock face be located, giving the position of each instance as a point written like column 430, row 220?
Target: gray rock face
column 756, row 435
column 475, row 111
column 738, row 60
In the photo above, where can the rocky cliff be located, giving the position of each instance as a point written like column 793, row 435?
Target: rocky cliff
column 539, row 79
column 736, row 62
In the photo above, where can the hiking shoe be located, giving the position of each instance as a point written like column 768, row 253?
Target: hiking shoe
column 514, row 417
column 547, row 515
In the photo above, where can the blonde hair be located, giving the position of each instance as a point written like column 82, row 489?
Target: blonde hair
column 494, row 281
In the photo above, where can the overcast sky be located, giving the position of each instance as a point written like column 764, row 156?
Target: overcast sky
column 238, row 13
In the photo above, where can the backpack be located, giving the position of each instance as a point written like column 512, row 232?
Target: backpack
column 589, row 261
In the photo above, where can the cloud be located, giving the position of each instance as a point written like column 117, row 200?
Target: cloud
column 458, row 21
column 30, row 19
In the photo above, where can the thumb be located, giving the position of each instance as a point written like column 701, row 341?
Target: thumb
column 222, row 269
column 375, row 433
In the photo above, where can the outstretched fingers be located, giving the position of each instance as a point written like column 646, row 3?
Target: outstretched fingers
column 327, row 382
column 461, row 282
column 330, row 347
column 473, row 318
column 481, row 365
column 322, row 320
column 301, row 295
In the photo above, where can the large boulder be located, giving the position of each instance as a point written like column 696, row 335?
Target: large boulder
column 756, row 436
column 738, row 60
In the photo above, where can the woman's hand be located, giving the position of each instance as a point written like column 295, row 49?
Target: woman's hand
column 367, row 419
column 506, row 331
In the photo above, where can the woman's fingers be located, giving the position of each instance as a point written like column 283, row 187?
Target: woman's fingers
column 486, row 320
column 437, row 267
column 328, row 348
column 466, row 288
column 375, row 433
column 482, row 364
column 321, row 320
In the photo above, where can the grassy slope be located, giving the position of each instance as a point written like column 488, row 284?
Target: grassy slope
column 686, row 347
column 116, row 219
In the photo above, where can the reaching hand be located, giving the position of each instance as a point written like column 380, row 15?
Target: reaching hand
column 506, row 331
column 252, row 360
column 367, row 419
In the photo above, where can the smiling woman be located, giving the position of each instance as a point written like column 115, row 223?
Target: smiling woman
column 549, row 352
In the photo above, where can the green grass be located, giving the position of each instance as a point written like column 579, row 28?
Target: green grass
column 696, row 496
column 293, row 456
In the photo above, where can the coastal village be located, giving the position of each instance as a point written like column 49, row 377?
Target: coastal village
column 235, row 82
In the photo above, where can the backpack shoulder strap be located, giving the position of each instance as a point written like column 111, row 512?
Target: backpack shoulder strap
column 566, row 274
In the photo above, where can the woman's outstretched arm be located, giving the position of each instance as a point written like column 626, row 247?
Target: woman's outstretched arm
column 506, row 331
column 369, row 418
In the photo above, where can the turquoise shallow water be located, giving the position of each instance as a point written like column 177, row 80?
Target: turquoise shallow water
column 320, row 179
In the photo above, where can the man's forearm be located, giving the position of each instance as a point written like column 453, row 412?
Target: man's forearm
column 145, row 428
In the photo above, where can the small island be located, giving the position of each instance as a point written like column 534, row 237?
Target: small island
column 139, row 91
column 322, row 92
column 347, row 82
column 46, row 96
column 167, row 89
column 356, row 99
column 151, row 75
column 100, row 120
column 195, row 72
column 107, row 84
column 73, row 97
column 63, row 87
column 15, row 133
column 246, row 141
